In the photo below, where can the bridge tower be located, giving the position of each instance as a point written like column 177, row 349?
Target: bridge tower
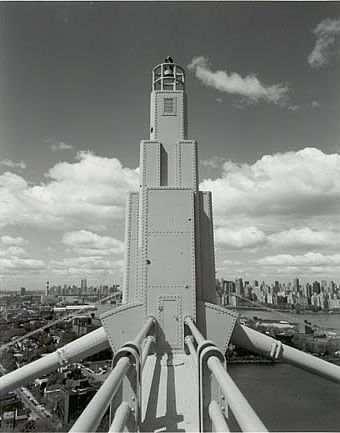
column 168, row 337
column 169, row 235
column 169, row 260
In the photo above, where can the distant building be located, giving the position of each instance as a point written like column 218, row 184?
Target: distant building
column 316, row 287
column 77, row 394
column 334, row 304
column 83, row 286
column 22, row 291
column 8, row 421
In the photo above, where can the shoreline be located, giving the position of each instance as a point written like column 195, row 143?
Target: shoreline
column 273, row 310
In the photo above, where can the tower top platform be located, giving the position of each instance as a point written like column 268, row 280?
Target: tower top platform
column 168, row 76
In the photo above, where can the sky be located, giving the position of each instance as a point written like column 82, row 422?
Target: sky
column 264, row 105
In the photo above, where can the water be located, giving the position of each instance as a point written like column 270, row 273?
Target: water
column 328, row 322
column 287, row 398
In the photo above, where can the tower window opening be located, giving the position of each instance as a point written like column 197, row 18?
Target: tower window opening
column 169, row 106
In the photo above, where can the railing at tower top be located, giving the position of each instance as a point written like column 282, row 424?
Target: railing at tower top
column 211, row 360
column 254, row 341
column 127, row 363
column 207, row 359
column 168, row 76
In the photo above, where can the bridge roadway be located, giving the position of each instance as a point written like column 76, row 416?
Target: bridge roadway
column 170, row 394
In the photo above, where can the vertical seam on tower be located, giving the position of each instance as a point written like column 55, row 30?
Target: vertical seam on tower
column 212, row 255
column 178, row 155
column 193, row 254
column 156, row 115
column 194, row 166
column 137, row 241
column 199, row 280
column 159, row 164
column 145, row 247
column 127, row 253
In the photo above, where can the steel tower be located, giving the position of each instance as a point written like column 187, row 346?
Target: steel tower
column 169, row 337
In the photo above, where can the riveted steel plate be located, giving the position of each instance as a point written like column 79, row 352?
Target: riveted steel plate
column 186, row 164
column 216, row 323
column 170, row 322
column 123, row 323
column 150, row 156
column 169, row 259
column 207, row 247
column 170, row 210
column 130, row 286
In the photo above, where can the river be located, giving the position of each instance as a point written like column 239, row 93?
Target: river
column 328, row 322
column 287, row 398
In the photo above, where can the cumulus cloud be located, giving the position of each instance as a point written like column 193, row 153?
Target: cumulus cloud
column 12, row 251
column 315, row 104
column 252, row 237
column 301, row 183
column 9, row 240
column 308, row 259
column 248, row 237
column 14, row 260
column 326, row 32
column 215, row 162
column 304, row 237
column 86, row 265
column 56, row 145
column 15, row 264
column 90, row 191
column 250, row 88
column 89, row 243
column 60, row 146
column 231, row 262
column 11, row 164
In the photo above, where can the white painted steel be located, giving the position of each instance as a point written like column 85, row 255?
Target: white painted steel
column 217, row 417
column 92, row 415
column 146, row 349
column 83, row 347
column 195, row 332
column 121, row 416
column 243, row 412
column 95, row 410
column 193, row 353
column 142, row 333
column 170, row 394
column 256, row 342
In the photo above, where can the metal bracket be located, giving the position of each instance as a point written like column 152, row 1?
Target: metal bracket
column 276, row 349
column 63, row 360
column 208, row 388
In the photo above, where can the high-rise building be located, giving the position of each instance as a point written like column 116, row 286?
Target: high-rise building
column 316, row 287
column 307, row 290
column 296, row 284
column 22, row 291
column 239, row 287
column 276, row 287
column 83, row 285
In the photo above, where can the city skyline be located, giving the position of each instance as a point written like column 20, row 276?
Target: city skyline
column 77, row 104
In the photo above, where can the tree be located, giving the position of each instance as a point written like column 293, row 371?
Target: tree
column 8, row 361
